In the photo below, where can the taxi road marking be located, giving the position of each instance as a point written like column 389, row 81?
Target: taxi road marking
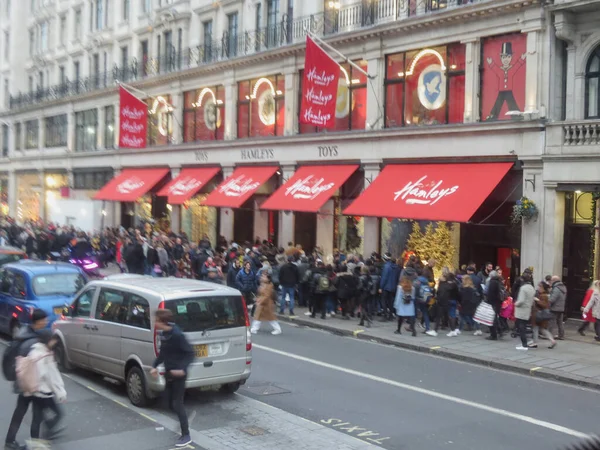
column 534, row 369
column 359, row 432
column 357, row 332
column 437, row 347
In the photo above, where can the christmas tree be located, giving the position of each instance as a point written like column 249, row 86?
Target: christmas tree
column 436, row 243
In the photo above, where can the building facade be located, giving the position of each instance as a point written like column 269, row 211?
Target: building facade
column 450, row 81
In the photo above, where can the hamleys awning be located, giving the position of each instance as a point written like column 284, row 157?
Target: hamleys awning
column 309, row 188
column 131, row 184
column 441, row 192
column 239, row 187
column 187, row 184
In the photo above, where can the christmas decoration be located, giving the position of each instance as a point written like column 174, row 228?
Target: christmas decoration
column 353, row 239
column 524, row 211
column 593, row 232
column 435, row 243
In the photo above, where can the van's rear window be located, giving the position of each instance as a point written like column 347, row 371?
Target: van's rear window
column 208, row 313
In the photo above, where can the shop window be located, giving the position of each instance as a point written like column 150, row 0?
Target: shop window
column 18, row 136
column 86, row 130
column 261, row 107
column 109, row 127
column 582, row 208
column 351, row 103
column 32, row 128
column 160, row 120
column 56, row 131
column 198, row 220
column 592, row 86
column 204, row 114
column 425, row 87
column 504, row 61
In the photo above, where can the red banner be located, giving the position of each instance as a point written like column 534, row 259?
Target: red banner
column 133, row 121
column 319, row 87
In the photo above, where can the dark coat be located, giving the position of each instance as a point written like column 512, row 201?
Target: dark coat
column 347, row 285
column 176, row 353
column 389, row 277
column 231, row 276
column 289, row 275
column 495, row 295
column 447, row 290
column 469, row 301
column 246, row 281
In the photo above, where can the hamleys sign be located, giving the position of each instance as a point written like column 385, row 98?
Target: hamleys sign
column 239, row 186
column 130, row 185
column 424, row 192
column 308, row 188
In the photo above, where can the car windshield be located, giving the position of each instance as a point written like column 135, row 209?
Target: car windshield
column 207, row 313
column 6, row 258
column 57, row 284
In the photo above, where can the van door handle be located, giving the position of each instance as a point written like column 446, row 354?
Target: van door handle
column 208, row 363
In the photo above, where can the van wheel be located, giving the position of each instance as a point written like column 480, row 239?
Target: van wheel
column 136, row 387
column 61, row 358
column 230, row 388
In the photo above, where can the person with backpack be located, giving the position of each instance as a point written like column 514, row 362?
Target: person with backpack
column 365, row 286
column 19, row 349
column 423, row 297
column 320, row 286
column 404, row 303
column 346, row 283
column 388, row 285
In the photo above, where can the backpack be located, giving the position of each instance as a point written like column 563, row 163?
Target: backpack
column 28, row 377
column 407, row 298
column 12, row 352
column 323, row 284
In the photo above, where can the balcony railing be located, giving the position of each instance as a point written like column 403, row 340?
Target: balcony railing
column 364, row 14
column 581, row 134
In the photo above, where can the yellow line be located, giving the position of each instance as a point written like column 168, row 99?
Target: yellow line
column 357, row 332
column 120, row 403
column 435, row 348
column 147, row 417
column 534, row 369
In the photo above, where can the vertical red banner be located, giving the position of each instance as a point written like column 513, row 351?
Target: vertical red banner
column 319, row 87
column 133, row 121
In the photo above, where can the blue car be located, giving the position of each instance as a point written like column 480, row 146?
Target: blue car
column 27, row 285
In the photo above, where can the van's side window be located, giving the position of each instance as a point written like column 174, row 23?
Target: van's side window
column 83, row 305
column 18, row 288
column 111, row 306
column 138, row 312
column 5, row 281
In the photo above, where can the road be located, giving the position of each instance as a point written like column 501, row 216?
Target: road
column 356, row 395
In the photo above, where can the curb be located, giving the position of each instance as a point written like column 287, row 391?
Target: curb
column 509, row 366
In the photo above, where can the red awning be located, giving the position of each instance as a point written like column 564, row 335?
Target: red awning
column 187, row 184
column 309, row 188
column 239, row 187
column 444, row 192
column 131, row 184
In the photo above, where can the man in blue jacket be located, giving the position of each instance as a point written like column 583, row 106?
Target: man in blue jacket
column 388, row 286
column 176, row 354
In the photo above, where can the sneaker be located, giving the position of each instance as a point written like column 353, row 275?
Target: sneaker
column 478, row 333
column 457, row 331
column 332, row 313
column 532, row 345
column 275, row 332
column 431, row 333
column 183, row 441
column 520, row 347
column 328, row 314
column 307, row 313
column 452, row 334
column 14, row 446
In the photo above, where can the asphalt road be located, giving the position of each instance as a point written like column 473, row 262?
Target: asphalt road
column 401, row 400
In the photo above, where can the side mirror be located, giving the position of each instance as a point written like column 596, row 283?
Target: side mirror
column 67, row 311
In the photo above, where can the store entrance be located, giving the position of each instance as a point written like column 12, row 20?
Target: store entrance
column 243, row 225
column 305, row 231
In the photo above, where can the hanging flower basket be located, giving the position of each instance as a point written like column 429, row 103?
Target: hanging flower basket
column 524, row 211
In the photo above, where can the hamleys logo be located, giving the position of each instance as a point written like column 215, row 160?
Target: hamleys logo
column 237, row 187
column 422, row 193
column 184, row 186
column 308, row 188
column 130, row 185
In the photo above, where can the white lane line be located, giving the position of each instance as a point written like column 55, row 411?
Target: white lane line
column 449, row 398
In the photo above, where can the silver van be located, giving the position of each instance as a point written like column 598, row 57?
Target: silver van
column 109, row 329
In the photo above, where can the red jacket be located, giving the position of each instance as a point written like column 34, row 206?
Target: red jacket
column 586, row 299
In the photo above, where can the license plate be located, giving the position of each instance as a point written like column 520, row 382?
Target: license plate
column 59, row 310
column 201, row 351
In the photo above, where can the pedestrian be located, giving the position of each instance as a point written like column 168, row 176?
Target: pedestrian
column 246, row 283
column 265, row 306
column 176, row 354
column 469, row 301
column 289, row 278
column 319, row 289
column 495, row 297
column 558, row 300
column 594, row 306
column 523, row 307
column 232, row 272
column 447, row 300
column 365, row 297
column 347, row 284
column 404, row 304
column 589, row 318
column 541, row 302
column 21, row 347
column 388, row 285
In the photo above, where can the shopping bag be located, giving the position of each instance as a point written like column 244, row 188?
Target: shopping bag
column 485, row 314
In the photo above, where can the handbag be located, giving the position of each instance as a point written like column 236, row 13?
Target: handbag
column 543, row 315
column 485, row 314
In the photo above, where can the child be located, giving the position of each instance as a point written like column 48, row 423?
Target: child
column 404, row 305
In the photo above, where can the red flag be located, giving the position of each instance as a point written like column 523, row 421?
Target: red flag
column 134, row 120
column 319, row 87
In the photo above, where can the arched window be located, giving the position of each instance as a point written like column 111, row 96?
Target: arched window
column 592, row 86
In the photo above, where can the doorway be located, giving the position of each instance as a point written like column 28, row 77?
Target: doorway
column 305, row 231
column 243, row 224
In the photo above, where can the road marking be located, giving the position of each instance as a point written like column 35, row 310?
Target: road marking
column 534, row 369
column 449, row 398
column 362, row 433
column 437, row 347
column 357, row 332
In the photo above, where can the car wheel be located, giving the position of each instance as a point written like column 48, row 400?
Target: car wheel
column 61, row 358
column 136, row 387
column 230, row 388
column 15, row 329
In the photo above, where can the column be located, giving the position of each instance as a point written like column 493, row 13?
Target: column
column 325, row 226
column 41, row 134
column 227, row 214
column 376, row 91
column 532, row 231
column 231, row 110
column 286, row 218
column 177, row 103
column 371, row 224
column 472, row 82
column 292, row 86
column 101, row 124
column 572, row 100
column 578, row 100
column 22, row 138
column 175, row 209
column 71, row 132
column 11, row 140
column 554, row 229
column 12, row 194
column 532, row 75
column 261, row 219
column 42, row 212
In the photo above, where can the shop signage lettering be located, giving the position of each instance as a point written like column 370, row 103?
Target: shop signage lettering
column 133, row 124
column 130, row 185
column 182, row 187
column 328, row 151
column 201, row 156
column 238, row 187
column 417, row 193
column 308, row 188
column 257, row 154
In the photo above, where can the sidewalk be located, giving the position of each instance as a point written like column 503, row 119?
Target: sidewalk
column 575, row 360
